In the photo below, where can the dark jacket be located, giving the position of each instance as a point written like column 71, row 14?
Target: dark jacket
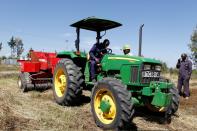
column 97, row 51
column 185, row 68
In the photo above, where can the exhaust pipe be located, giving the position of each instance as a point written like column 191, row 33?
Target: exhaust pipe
column 140, row 40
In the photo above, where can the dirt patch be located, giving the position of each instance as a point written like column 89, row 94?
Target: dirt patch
column 190, row 105
column 184, row 119
column 9, row 74
column 9, row 67
column 10, row 121
column 36, row 110
column 23, row 109
column 44, row 95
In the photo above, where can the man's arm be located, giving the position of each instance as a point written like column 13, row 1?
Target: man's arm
column 178, row 64
column 190, row 68
column 92, row 50
column 103, row 52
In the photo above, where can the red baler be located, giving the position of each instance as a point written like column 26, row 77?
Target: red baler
column 37, row 70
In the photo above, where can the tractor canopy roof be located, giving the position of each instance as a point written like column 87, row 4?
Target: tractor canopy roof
column 96, row 24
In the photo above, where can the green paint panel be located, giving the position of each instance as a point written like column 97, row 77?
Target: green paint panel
column 147, row 91
column 157, row 86
column 100, row 77
column 135, row 101
column 115, row 62
column 105, row 106
column 160, row 85
column 72, row 54
column 125, row 74
column 161, row 99
column 87, row 72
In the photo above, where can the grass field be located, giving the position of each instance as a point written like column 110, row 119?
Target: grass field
column 8, row 68
column 38, row 111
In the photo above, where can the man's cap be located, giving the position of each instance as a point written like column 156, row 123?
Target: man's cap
column 183, row 55
column 126, row 46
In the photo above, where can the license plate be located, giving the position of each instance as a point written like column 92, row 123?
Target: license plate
column 150, row 74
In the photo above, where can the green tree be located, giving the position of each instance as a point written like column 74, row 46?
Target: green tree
column 19, row 46
column 12, row 45
column 4, row 57
column 16, row 45
column 164, row 67
column 193, row 47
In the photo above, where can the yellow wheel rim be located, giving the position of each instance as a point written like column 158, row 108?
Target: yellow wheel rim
column 105, row 95
column 60, row 82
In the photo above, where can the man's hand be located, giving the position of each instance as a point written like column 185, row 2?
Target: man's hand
column 97, row 60
column 187, row 77
column 179, row 60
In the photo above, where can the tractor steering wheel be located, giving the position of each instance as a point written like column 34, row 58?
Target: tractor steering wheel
column 109, row 51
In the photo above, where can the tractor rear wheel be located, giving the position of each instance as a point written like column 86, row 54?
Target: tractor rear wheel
column 23, row 81
column 111, row 104
column 67, row 81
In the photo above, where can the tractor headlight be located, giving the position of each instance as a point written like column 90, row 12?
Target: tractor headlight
column 147, row 67
column 158, row 68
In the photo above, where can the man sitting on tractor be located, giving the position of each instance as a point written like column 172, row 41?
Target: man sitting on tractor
column 96, row 53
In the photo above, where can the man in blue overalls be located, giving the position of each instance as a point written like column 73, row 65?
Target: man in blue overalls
column 96, row 53
column 185, row 70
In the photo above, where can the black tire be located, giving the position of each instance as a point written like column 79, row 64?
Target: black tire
column 164, row 79
column 23, row 81
column 73, row 89
column 122, row 98
column 175, row 97
column 175, row 100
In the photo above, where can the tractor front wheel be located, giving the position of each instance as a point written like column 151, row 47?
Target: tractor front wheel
column 111, row 104
column 175, row 100
column 67, row 81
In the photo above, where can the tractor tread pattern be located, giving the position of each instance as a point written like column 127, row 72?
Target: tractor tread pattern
column 175, row 100
column 175, row 96
column 74, row 89
column 124, row 98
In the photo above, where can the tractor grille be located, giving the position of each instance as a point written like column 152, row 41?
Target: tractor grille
column 134, row 74
column 148, row 80
column 148, row 75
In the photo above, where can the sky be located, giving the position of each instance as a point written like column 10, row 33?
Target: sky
column 44, row 25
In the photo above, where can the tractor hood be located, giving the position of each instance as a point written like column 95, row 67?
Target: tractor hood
column 115, row 62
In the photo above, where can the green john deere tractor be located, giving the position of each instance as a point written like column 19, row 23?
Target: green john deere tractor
column 122, row 81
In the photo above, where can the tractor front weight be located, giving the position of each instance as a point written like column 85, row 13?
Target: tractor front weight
column 157, row 94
